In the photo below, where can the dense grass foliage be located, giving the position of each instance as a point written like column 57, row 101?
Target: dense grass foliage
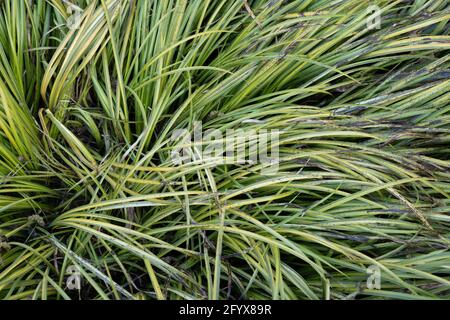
column 86, row 179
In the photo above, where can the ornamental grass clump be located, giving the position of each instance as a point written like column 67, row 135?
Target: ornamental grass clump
column 93, row 205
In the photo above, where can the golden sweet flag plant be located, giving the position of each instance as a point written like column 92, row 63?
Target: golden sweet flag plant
column 87, row 182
